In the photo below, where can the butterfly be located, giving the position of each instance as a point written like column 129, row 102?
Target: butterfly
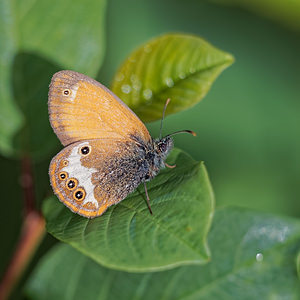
column 108, row 150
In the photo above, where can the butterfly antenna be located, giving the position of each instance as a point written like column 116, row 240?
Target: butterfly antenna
column 148, row 200
column 163, row 116
column 182, row 131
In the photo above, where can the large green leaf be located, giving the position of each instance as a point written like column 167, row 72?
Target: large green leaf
column 10, row 116
column 30, row 80
column 67, row 32
column 39, row 38
column 128, row 238
column 177, row 66
column 253, row 257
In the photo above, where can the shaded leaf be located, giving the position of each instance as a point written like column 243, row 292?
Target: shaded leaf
column 10, row 215
column 128, row 238
column 10, row 116
column 235, row 272
column 177, row 66
column 38, row 39
column 298, row 264
column 286, row 12
column 30, row 79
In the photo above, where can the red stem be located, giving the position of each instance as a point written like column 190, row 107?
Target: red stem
column 33, row 230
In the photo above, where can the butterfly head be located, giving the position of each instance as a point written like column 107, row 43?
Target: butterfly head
column 163, row 146
column 156, row 156
column 160, row 149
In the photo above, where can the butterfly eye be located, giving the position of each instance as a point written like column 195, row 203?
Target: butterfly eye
column 71, row 183
column 85, row 150
column 162, row 147
column 79, row 194
column 66, row 92
column 63, row 175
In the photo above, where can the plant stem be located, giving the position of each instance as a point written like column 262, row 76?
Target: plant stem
column 33, row 230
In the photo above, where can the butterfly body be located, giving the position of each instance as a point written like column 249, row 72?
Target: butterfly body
column 108, row 152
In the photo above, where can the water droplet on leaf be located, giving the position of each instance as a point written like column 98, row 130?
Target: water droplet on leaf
column 181, row 75
column 169, row 82
column 137, row 85
column 147, row 93
column 192, row 70
column 133, row 78
column 120, row 77
column 126, row 88
column 259, row 257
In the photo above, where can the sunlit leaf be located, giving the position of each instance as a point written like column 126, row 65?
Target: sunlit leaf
column 177, row 66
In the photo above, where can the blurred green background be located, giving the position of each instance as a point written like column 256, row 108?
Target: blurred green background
column 248, row 124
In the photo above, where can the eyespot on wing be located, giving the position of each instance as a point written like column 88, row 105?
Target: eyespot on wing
column 94, row 182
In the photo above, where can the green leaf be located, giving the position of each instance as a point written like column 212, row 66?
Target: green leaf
column 128, row 238
column 30, row 80
column 67, row 32
column 298, row 264
column 177, row 66
column 235, row 272
column 38, row 39
column 11, row 118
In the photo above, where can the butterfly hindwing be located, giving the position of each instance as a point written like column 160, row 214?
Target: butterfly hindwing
column 91, row 175
column 81, row 108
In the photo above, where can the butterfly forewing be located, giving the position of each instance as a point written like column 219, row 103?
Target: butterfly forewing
column 89, row 176
column 80, row 108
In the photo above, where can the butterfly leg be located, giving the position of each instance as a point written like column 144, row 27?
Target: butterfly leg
column 170, row 166
column 148, row 200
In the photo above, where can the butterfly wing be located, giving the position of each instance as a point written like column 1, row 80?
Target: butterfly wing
column 81, row 108
column 92, row 175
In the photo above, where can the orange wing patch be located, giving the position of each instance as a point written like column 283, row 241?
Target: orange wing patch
column 80, row 108
column 90, row 176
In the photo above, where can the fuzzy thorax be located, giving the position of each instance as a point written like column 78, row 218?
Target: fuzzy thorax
column 160, row 151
